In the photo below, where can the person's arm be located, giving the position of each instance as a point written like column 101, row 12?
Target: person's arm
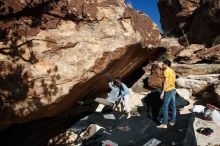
column 164, row 88
column 125, row 89
column 110, row 84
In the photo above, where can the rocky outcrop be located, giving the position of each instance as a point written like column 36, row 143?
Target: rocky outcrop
column 188, row 54
column 195, row 53
column 175, row 13
column 197, row 83
column 205, row 22
column 198, row 19
column 190, row 50
column 211, row 55
column 185, row 93
column 171, row 46
column 55, row 52
column 196, row 69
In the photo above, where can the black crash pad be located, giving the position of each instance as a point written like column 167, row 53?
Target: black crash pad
column 141, row 130
column 153, row 103
column 107, row 120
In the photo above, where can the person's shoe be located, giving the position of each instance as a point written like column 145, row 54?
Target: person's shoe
column 205, row 131
column 172, row 123
column 162, row 126
column 129, row 115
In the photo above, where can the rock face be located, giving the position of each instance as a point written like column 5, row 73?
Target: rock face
column 156, row 78
column 205, row 23
column 190, row 50
column 56, row 52
column 172, row 47
column 199, row 19
column 196, row 69
column 211, row 55
column 197, row 83
column 195, row 53
column 174, row 13
column 188, row 54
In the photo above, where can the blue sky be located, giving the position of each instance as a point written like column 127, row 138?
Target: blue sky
column 148, row 7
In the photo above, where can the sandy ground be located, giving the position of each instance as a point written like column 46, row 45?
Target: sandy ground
column 202, row 140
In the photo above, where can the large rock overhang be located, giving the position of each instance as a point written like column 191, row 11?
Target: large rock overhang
column 63, row 59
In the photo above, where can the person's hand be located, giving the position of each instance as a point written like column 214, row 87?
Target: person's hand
column 161, row 95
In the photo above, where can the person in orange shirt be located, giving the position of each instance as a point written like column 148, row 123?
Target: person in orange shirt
column 168, row 94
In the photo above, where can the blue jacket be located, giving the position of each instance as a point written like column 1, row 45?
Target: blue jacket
column 114, row 94
column 124, row 90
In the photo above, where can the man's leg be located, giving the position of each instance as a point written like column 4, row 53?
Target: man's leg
column 122, row 103
column 116, row 106
column 173, row 107
column 166, row 101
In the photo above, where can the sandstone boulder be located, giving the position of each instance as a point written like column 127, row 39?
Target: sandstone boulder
column 190, row 50
column 205, row 22
column 198, row 19
column 171, row 46
column 156, row 78
column 54, row 53
column 185, row 93
column 188, row 54
column 175, row 13
column 196, row 83
column 195, row 69
column 211, row 55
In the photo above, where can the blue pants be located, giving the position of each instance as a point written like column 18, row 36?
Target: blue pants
column 169, row 98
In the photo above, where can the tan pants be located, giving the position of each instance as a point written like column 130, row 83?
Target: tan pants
column 124, row 103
